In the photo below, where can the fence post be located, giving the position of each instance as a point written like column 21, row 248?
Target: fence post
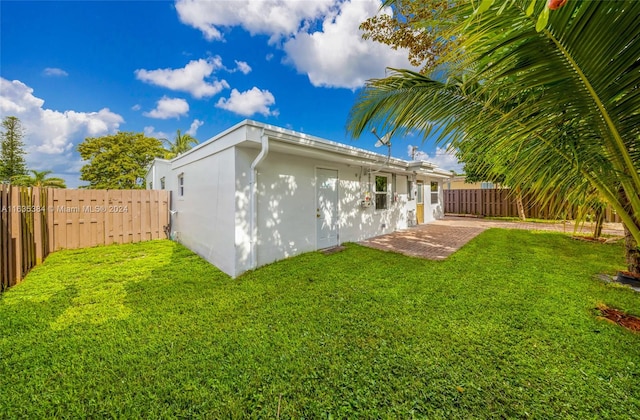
column 37, row 224
column 6, row 248
column 16, row 240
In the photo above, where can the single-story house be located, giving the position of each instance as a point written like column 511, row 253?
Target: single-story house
column 257, row 193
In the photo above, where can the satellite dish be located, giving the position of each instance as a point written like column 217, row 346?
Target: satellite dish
column 384, row 141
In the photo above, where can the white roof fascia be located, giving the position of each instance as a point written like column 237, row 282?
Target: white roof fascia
column 349, row 154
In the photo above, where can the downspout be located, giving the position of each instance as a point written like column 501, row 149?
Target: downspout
column 254, row 198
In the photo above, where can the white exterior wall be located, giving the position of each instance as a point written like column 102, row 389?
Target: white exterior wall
column 286, row 207
column 159, row 169
column 205, row 216
column 242, row 223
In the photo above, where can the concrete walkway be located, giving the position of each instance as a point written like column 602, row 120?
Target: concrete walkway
column 441, row 238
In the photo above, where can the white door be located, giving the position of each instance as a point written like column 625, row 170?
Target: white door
column 327, row 207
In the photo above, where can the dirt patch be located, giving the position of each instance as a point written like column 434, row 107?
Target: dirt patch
column 618, row 317
column 589, row 239
column 333, row 250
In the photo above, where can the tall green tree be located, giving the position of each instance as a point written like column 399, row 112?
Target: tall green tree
column 558, row 98
column 181, row 143
column 118, row 161
column 39, row 179
column 12, row 161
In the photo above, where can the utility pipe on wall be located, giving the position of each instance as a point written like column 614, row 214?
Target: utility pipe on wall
column 253, row 223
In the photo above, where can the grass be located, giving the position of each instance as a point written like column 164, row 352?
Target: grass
column 506, row 327
column 528, row 220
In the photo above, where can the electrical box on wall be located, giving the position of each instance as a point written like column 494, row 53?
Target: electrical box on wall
column 366, row 201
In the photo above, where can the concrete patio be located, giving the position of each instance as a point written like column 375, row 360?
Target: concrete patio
column 437, row 240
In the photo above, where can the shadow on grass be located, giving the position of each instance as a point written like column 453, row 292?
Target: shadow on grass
column 90, row 285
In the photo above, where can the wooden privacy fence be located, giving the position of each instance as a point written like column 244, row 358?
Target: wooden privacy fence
column 24, row 239
column 502, row 203
column 37, row 221
column 84, row 218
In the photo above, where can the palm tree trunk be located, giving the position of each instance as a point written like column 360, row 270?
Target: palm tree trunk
column 632, row 252
column 597, row 231
column 520, row 205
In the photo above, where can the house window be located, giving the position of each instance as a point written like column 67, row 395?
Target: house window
column 162, row 183
column 434, row 193
column 487, row 186
column 181, row 185
column 382, row 189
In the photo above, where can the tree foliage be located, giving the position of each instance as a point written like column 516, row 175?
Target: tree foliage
column 39, row 179
column 415, row 26
column 118, row 161
column 12, row 161
column 551, row 95
column 478, row 166
column 181, row 143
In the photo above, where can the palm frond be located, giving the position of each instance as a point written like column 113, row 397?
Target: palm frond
column 561, row 104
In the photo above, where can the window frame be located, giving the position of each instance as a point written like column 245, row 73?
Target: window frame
column 435, row 193
column 181, row 185
column 383, row 194
column 163, row 183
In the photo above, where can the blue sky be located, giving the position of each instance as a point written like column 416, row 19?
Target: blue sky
column 76, row 69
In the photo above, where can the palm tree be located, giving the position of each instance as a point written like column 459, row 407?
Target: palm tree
column 39, row 179
column 180, row 144
column 560, row 103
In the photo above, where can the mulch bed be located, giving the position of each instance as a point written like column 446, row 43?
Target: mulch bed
column 616, row 316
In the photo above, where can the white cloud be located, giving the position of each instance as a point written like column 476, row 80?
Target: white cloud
column 333, row 56
column 254, row 101
column 168, row 108
column 150, row 131
column 54, row 72
column 444, row 158
column 136, row 107
column 193, row 129
column 337, row 56
column 191, row 78
column 243, row 67
column 50, row 136
column 49, row 131
column 276, row 18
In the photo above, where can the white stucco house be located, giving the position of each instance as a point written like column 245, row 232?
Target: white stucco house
column 257, row 193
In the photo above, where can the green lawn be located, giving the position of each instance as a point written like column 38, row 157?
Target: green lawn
column 506, row 327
